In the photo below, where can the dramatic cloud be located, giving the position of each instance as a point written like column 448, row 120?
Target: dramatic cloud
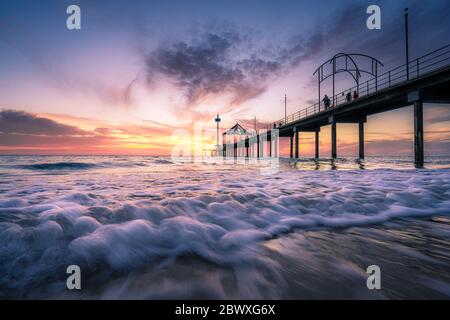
column 18, row 122
column 222, row 62
column 438, row 114
column 25, row 133
column 223, row 59
column 206, row 66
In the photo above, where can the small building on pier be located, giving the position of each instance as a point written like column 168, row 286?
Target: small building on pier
column 233, row 135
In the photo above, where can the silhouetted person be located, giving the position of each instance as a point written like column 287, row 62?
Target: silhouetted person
column 348, row 97
column 326, row 102
column 355, row 95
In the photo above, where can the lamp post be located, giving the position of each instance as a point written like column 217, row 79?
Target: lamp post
column 217, row 121
column 285, row 109
column 407, row 44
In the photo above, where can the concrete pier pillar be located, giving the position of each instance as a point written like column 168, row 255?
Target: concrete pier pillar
column 270, row 147
column 257, row 146
column 317, row 142
column 296, row 144
column 275, row 146
column 291, row 146
column 361, row 139
column 418, row 134
column 333, row 140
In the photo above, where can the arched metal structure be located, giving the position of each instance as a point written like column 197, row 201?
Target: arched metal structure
column 351, row 67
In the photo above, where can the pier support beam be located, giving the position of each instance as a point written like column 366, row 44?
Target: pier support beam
column 269, row 141
column 276, row 147
column 418, row 133
column 257, row 146
column 274, row 136
column 361, row 139
column 296, row 144
column 333, row 140
column 317, row 142
column 291, row 148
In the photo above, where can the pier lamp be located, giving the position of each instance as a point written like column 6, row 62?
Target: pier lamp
column 217, row 121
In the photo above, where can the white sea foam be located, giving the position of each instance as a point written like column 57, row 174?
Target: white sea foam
column 117, row 222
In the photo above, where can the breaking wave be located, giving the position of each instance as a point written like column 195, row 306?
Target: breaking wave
column 162, row 161
column 221, row 219
column 59, row 166
column 67, row 165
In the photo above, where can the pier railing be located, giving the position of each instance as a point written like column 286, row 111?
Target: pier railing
column 416, row 68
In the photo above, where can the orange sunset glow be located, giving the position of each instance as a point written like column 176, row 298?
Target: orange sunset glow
column 121, row 90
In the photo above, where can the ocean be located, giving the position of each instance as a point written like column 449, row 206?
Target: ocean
column 151, row 228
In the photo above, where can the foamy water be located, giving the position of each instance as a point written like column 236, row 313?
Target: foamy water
column 145, row 227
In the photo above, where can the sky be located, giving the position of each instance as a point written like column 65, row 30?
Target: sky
column 140, row 76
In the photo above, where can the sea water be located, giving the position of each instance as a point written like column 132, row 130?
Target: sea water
column 150, row 228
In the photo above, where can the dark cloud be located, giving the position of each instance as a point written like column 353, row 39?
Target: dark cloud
column 444, row 118
column 104, row 131
column 19, row 122
column 21, row 132
column 227, row 61
column 303, row 46
column 346, row 30
column 25, row 133
column 440, row 116
column 405, row 147
column 221, row 60
column 207, row 65
column 56, row 142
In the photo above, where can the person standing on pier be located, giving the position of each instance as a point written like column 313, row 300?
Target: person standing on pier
column 326, row 102
column 348, row 97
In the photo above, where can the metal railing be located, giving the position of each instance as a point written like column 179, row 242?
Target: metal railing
column 418, row 67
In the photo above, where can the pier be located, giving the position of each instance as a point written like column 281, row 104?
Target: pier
column 425, row 79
